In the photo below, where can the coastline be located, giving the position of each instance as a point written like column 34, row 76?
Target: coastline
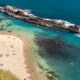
column 32, row 67
column 27, row 16
column 64, row 61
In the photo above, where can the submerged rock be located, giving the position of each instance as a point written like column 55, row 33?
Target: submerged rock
column 9, row 31
column 51, row 75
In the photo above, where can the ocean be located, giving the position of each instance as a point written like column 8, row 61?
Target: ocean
column 59, row 51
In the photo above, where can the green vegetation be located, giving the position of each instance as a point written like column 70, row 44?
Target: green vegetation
column 7, row 75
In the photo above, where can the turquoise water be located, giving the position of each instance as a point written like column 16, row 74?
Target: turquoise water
column 66, row 63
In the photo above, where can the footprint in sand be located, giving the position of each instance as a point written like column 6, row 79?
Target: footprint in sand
column 11, row 46
column 1, row 55
column 13, row 53
column 7, row 55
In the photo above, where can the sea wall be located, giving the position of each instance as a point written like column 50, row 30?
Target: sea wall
column 26, row 16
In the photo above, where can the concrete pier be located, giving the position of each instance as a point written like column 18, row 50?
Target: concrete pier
column 26, row 16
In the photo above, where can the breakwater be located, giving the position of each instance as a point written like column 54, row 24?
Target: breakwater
column 27, row 16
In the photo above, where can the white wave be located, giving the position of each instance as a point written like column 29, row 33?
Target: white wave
column 32, row 15
column 29, row 11
column 66, row 23
column 78, row 35
column 48, row 19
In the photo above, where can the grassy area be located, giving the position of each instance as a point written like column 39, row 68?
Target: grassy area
column 7, row 75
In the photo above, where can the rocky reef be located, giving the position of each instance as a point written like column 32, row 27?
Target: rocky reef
column 27, row 16
column 55, row 48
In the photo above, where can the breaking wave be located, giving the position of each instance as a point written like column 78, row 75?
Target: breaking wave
column 78, row 35
column 66, row 23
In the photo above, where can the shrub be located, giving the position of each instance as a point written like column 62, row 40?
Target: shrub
column 7, row 75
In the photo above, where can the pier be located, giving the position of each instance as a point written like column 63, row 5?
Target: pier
column 27, row 16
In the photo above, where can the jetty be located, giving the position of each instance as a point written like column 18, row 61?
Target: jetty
column 27, row 16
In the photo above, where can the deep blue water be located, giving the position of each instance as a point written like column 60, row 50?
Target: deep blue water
column 66, row 67
column 57, row 9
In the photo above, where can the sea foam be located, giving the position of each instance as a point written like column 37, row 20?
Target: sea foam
column 66, row 23
column 78, row 35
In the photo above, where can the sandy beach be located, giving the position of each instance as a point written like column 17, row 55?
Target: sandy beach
column 11, row 56
column 15, row 56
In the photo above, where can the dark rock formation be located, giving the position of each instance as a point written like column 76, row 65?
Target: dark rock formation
column 30, row 18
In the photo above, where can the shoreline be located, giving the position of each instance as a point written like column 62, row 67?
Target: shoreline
column 32, row 66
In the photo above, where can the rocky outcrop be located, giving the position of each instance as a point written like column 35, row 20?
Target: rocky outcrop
column 27, row 16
